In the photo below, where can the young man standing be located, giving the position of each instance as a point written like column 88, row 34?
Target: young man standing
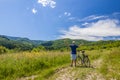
column 73, row 47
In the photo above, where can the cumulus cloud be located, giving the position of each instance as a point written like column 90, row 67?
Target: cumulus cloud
column 34, row 11
column 67, row 13
column 93, row 31
column 45, row 3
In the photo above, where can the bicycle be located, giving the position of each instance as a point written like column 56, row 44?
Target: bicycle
column 83, row 59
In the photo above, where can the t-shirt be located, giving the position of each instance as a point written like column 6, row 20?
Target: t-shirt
column 73, row 48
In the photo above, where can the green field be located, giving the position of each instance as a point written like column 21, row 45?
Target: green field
column 18, row 65
column 44, row 64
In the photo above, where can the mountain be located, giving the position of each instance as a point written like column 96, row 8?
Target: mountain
column 63, row 43
column 60, row 44
column 3, row 38
column 18, row 43
column 24, row 40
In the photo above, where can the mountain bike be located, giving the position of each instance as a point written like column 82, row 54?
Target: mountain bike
column 83, row 59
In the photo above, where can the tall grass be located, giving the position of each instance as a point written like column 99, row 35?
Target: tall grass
column 24, row 64
column 111, row 66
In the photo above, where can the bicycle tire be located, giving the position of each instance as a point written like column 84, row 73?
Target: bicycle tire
column 87, row 62
column 79, row 60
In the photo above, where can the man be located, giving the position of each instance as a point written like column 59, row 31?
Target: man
column 73, row 47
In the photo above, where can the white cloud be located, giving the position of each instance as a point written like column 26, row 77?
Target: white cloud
column 93, row 31
column 85, row 24
column 34, row 11
column 67, row 14
column 88, row 18
column 93, row 17
column 45, row 3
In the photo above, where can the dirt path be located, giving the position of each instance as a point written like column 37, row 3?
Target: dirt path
column 64, row 74
column 79, row 73
column 74, row 73
column 95, row 75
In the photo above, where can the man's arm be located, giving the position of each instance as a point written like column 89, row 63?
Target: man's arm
column 66, row 43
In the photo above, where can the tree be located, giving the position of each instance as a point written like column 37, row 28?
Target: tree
column 38, row 49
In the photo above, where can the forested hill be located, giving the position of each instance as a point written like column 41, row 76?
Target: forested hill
column 63, row 43
column 60, row 44
column 19, row 39
column 18, row 42
column 24, row 40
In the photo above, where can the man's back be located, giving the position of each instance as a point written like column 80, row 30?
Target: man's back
column 73, row 48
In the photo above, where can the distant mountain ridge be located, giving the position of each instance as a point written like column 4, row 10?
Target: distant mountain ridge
column 54, row 44
column 27, row 44
column 20, row 39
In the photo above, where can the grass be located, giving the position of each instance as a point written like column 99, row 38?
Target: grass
column 25, row 64
column 16, row 65
column 110, row 68
column 110, row 62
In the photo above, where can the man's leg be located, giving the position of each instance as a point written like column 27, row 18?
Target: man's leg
column 75, row 62
column 72, row 62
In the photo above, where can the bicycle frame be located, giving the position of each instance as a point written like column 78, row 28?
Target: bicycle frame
column 83, row 60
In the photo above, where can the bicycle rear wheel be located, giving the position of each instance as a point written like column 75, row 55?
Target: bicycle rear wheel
column 87, row 62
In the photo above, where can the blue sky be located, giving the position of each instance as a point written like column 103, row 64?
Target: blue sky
column 56, row 19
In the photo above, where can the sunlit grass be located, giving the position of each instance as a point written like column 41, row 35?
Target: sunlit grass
column 44, row 63
column 24, row 64
column 110, row 68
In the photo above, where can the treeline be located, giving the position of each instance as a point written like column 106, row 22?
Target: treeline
column 23, row 44
column 100, row 45
column 7, row 44
column 63, row 44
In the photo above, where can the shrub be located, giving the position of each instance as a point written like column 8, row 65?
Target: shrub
column 3, row 50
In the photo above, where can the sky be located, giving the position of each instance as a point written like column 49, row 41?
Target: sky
column 91, row 20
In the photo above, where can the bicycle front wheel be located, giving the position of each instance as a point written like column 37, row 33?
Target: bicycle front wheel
column 79, row 60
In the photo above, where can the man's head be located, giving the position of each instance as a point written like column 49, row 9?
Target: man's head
column 73, row 42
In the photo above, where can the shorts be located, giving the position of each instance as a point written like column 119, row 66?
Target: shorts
column 73, row 56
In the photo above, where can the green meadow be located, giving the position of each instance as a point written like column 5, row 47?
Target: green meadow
column 14, row 66
column 37, row 38
column 23, row 64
